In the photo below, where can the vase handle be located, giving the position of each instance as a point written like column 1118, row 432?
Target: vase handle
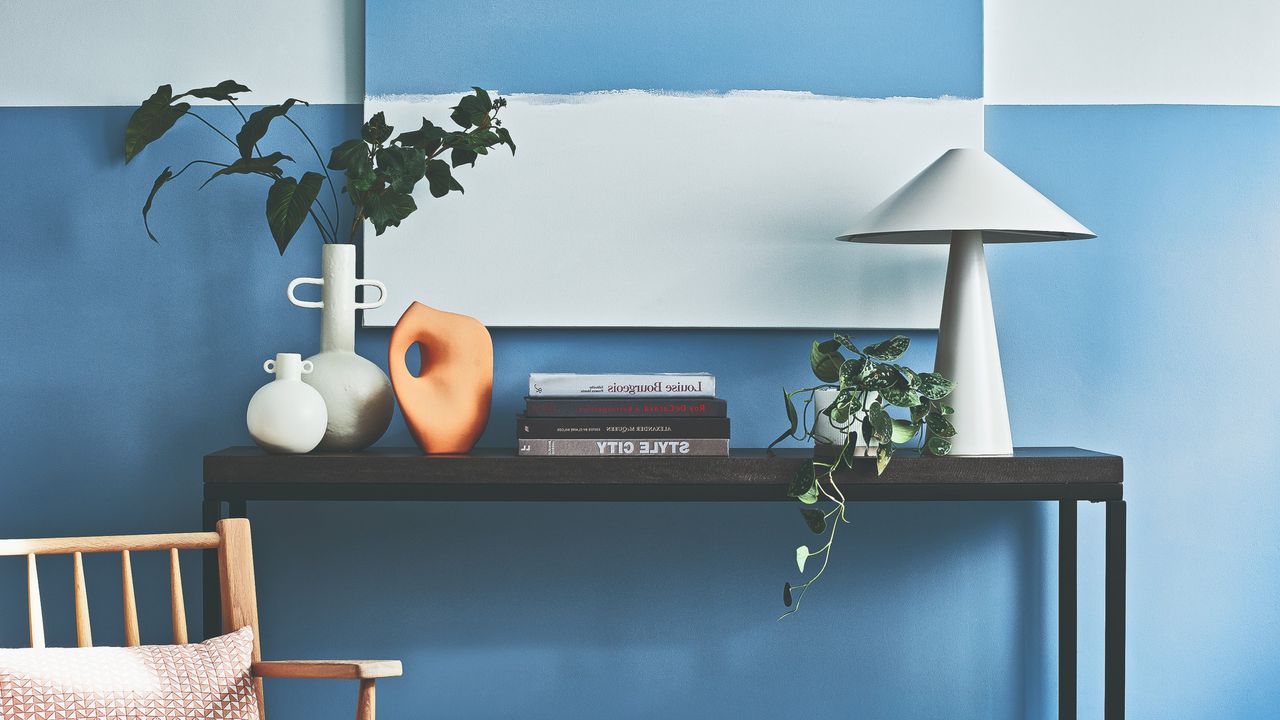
column 304, row 303
column 382, row 295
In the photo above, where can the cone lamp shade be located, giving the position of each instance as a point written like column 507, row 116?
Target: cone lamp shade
column 966, row 198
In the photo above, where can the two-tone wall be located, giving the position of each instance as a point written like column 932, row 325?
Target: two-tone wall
column 122, row 362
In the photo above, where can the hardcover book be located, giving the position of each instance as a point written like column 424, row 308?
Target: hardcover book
column 623, row 407
column 630, row 428
column 620, row 385
column 608, row 447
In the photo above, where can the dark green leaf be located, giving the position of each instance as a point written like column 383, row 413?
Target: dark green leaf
column 427, row 138
column 937, row 446
column 815, row 519
column 786, row 594
column 878, row 377
column 900, row 397
column 348, row 154
column 463, row 156
column 404, row 166
column 884, row 454
column 803, row 481
column 825, row 363
column 918, row 413
column 940, row 426
column 890, row 349
column 220, row 92
column 792, row 417
column 438, row 177
column 881, row 423
column 851, row 372
column 945, row 409
column 265, row 164
column 903, row 431
column 256, row 126
column 839, row 414
column 470, row 111
column 288, row 204
column 483, row 96
column 360, row 176
column 387, row 209
column 847, row 343
column 909, row 377
column 151, row 120
column 165, row 177
column 376, row 130
column 935, row 386
column 505, row 138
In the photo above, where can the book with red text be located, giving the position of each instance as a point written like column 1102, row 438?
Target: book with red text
column 610, row 447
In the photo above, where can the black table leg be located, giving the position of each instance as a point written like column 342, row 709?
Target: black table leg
column 210, row 585
column 1067, row 643
column 1113, row 697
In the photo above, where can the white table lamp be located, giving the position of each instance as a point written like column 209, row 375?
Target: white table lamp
column 966, row 198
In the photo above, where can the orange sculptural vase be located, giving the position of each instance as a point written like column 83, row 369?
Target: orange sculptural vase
column 446, row 405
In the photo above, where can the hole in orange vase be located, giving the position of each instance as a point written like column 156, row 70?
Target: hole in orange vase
column 415, row 359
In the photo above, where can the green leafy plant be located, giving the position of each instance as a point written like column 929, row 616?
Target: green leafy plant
column 380, row 171
column 870, row 386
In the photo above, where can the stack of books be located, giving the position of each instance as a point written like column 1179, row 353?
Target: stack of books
column 654, row 415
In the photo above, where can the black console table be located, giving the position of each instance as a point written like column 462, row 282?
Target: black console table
column 238, row 475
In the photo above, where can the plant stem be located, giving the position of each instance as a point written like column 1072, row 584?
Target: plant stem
column 211, row 127
column 337, row 209
column 243, row 119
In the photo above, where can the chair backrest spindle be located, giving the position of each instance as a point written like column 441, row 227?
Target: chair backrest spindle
column 35, row 616
column 178, row 607
column 131, row 635
column 84, row 632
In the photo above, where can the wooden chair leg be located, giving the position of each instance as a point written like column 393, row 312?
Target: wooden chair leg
column 365, row 705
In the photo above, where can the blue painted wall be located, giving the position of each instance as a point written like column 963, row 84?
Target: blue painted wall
column 855, row 48
column 122, row 362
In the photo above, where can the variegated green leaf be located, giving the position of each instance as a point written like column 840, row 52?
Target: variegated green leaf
column 935, row 386
column 887, row 350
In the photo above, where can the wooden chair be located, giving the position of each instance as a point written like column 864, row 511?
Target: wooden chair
column 239, row 600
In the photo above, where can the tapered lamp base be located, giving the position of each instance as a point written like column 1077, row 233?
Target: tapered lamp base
column 969, row 354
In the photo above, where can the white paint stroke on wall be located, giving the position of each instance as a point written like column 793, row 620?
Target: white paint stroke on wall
column 100, row 52
column 1080, row 52
column 641, row 209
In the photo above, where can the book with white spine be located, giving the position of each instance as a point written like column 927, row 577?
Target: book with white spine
column 612, row 447
column 616, row 385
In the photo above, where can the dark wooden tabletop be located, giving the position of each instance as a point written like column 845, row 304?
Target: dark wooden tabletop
column 248, row 473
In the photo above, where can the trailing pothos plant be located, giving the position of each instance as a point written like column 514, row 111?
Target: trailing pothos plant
column 380, row 171
column 869, row 385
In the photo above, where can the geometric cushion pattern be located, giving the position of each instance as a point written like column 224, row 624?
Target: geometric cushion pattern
column 205, row 681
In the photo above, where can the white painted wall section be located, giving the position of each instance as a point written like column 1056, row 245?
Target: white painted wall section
column 1079, row 52
column 645, row 209
column 100, row 52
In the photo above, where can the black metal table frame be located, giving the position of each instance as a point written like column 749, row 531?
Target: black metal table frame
column 1067, row 496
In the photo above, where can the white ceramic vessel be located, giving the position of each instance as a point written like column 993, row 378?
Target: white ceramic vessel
column 825, row 432
column 287, row 415
column 356, row 392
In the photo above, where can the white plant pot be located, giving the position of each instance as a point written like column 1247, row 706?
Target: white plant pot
column 286, row 415
column 356, row 392
column 826, row 434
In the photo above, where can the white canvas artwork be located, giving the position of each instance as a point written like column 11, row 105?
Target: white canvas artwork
column 645, row 209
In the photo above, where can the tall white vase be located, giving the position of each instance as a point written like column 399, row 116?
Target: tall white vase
column 356, row 392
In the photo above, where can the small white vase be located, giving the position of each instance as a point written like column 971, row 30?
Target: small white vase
column 356, row 392
column 825, row 433
column 287, row 415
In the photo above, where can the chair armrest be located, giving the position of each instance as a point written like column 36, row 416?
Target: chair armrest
column 328, row 669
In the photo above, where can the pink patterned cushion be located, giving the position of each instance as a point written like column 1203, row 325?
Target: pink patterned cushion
column 152, row 682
